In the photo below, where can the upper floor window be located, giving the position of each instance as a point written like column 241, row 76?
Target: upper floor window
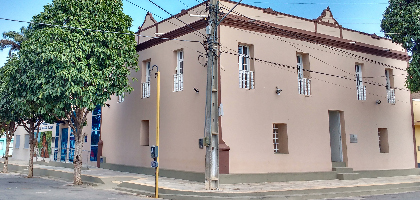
column 390, row 91
column 361, row 89
column 146, row 83
column 304, row 81
column 246, row 75
column 121, row 98
column 179, row 71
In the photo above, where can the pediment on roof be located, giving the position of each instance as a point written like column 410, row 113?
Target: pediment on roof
column 148, row 21
column 327, row 17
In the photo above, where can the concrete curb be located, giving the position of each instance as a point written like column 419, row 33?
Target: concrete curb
column 288, row 194
column 53, row 173
column 58, row 164
column 299, row 194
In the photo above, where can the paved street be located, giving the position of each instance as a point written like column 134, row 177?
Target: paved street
column 15, row 186
column 402, row 196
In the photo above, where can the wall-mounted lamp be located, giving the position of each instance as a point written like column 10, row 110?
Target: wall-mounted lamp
column 378, row 102
column 196, row 90
column 278, row 91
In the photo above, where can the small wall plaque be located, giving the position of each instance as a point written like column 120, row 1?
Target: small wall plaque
column 353, row 138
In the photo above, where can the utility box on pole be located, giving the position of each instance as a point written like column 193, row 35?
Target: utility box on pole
column 212, row 103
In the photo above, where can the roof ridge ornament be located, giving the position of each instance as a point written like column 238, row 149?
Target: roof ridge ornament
column 327, row 17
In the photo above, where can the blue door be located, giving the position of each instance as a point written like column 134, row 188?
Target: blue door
column 71, row 152
column 64, row 139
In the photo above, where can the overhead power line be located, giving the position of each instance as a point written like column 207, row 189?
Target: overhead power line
column 295, row 46
column 183, row 3
column 288, row 67
column 174, row 16
column 167, row 20
column 320, row 44
column 95, row 30
column 232, row 52
column 325, row 3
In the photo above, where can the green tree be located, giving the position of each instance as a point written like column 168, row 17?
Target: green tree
column 17, row 90
column 401, row 23
column 8, row 114
column 16, row 107
column 21, row 100
column 74, row 70
column 12, row 40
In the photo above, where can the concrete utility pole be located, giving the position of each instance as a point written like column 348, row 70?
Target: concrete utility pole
column 212, row 104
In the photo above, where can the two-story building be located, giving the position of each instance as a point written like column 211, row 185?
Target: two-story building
column 312, row 95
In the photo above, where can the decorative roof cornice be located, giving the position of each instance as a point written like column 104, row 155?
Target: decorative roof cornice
column 312, row 37
column 200, row 24
column 182, row 13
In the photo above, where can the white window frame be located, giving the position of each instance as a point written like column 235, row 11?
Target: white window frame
column 276, row 139
column 299, row 66
column 146, row 84
column 246, row 76
column 244, row 56
column 390, row 92
column 304, row 84
column 148, row 70
column 360, row 88
column 179, row 71
column 180, row 62
column 121, row 98
column 359, row 75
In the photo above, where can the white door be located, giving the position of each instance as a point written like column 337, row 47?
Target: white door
column 335, row 137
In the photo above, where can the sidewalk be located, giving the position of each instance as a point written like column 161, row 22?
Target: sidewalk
column 182, row 189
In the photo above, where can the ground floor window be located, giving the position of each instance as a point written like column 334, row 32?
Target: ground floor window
column 383, row 140
column 280, row 139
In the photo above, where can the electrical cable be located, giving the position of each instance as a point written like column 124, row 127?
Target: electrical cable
column 311, row 71
column 287, row 67
column 183, row 3
column 175, row 17
column 163, row 19
column 293, row 45
column 317, row 42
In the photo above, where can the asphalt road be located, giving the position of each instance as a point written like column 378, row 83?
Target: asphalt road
column 15, row 186
column 402, row 196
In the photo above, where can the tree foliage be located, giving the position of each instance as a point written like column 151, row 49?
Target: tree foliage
column 401, row 23
column 74, row 70
column 12, row 40
column 10, row 115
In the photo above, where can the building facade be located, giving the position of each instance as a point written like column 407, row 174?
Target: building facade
column 310, row 93
column 55, row 142
column 296, row 95
column 3, row 147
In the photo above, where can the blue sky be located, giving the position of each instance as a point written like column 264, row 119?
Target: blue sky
column 360, row 15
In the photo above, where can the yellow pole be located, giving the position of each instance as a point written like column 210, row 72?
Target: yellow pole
column 157, row 134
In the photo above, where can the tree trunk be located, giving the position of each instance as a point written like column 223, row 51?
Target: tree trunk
column 31, row 154
column 78, row 156
column 6, row 158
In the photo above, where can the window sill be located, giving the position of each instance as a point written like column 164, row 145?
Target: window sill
column 281, row 153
